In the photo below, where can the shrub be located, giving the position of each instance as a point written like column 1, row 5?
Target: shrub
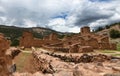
column 114, row 33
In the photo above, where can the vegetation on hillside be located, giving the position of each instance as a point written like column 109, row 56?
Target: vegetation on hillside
column 114, row 33
column 100, row 28
column 14, row 33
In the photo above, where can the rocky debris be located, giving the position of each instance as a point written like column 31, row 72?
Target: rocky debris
column 114, row 74
column 7, row 55
column 42, row 64
column 13, row 52
column 30, row 74
column 85, row 58
column 50, row 64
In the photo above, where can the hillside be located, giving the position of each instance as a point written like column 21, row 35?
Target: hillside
column 106, row 31
column 14, row 33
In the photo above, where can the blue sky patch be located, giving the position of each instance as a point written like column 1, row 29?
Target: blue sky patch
column 62, row 15
column 100, row 0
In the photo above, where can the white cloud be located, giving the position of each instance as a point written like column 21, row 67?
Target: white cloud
column 58, row 24
column 29, row 23
column 60, row 15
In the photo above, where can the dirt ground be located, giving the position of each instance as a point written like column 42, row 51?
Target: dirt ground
column 21, row 61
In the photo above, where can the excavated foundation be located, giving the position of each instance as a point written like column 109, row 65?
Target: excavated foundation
column 51, row 64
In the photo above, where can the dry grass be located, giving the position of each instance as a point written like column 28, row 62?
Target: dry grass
column 21, row 61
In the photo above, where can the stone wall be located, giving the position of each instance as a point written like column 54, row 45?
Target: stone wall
column 86, row 38
column 85, row 30
column 85, row 49
column 4, row 43
column 7, row 55
column 27, row 40
column 53, row 36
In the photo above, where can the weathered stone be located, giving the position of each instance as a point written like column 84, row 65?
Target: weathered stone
column 115, row 74
column 6, row 57
column 86, row 38
column 83, row 49
column 85, row 30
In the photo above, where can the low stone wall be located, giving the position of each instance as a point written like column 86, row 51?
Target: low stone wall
column 50, row 64
column 85, row 49
column 55, row 49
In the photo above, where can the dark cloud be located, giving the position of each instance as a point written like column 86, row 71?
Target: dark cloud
column 91, row 15
column 60, row 15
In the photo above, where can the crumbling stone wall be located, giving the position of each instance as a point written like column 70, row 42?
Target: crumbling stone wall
column 73, row 48
column 6, row 42
column 85, row 49
column 7, row 55
column 86, row 38
column 85, row 30
column 104, row 39
column 53, row 36
column 90, row 41
column 96, row 41
column 27, row 40
column 113, row 46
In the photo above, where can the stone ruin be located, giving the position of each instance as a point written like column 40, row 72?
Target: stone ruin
column 7, row 55
column 56, row 64
column 86, row 41
column 27, row 40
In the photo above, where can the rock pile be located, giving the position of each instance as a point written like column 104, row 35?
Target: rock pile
column 50, row 64
column 85, row 58
column 42, row 64
column 7, row 54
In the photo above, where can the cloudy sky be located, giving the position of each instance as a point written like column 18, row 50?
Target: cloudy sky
column 60, row 15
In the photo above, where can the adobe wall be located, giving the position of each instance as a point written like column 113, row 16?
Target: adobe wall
column 96, row 41
column 85, row 49
column 37, row 42
column 92, row 42
column 85, row 30
column 53, row 36
column 113, row 46
column 73, row 48
column 27, row 39
column 77, row 40
column 104, row 39
column 85, row 39
column 4, row 45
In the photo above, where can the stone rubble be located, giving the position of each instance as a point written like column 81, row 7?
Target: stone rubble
column 47, row 64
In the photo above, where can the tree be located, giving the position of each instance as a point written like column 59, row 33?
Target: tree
column 99, row 29
column 114, row 33
column 107, row 26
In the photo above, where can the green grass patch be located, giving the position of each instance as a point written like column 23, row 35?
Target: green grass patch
column 118, row 46
column 108, row 51
column 116, row 55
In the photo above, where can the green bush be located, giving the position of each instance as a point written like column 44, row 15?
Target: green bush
column 107, row 26
column 14, row 42
column 114, row 33
column 99, row 29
